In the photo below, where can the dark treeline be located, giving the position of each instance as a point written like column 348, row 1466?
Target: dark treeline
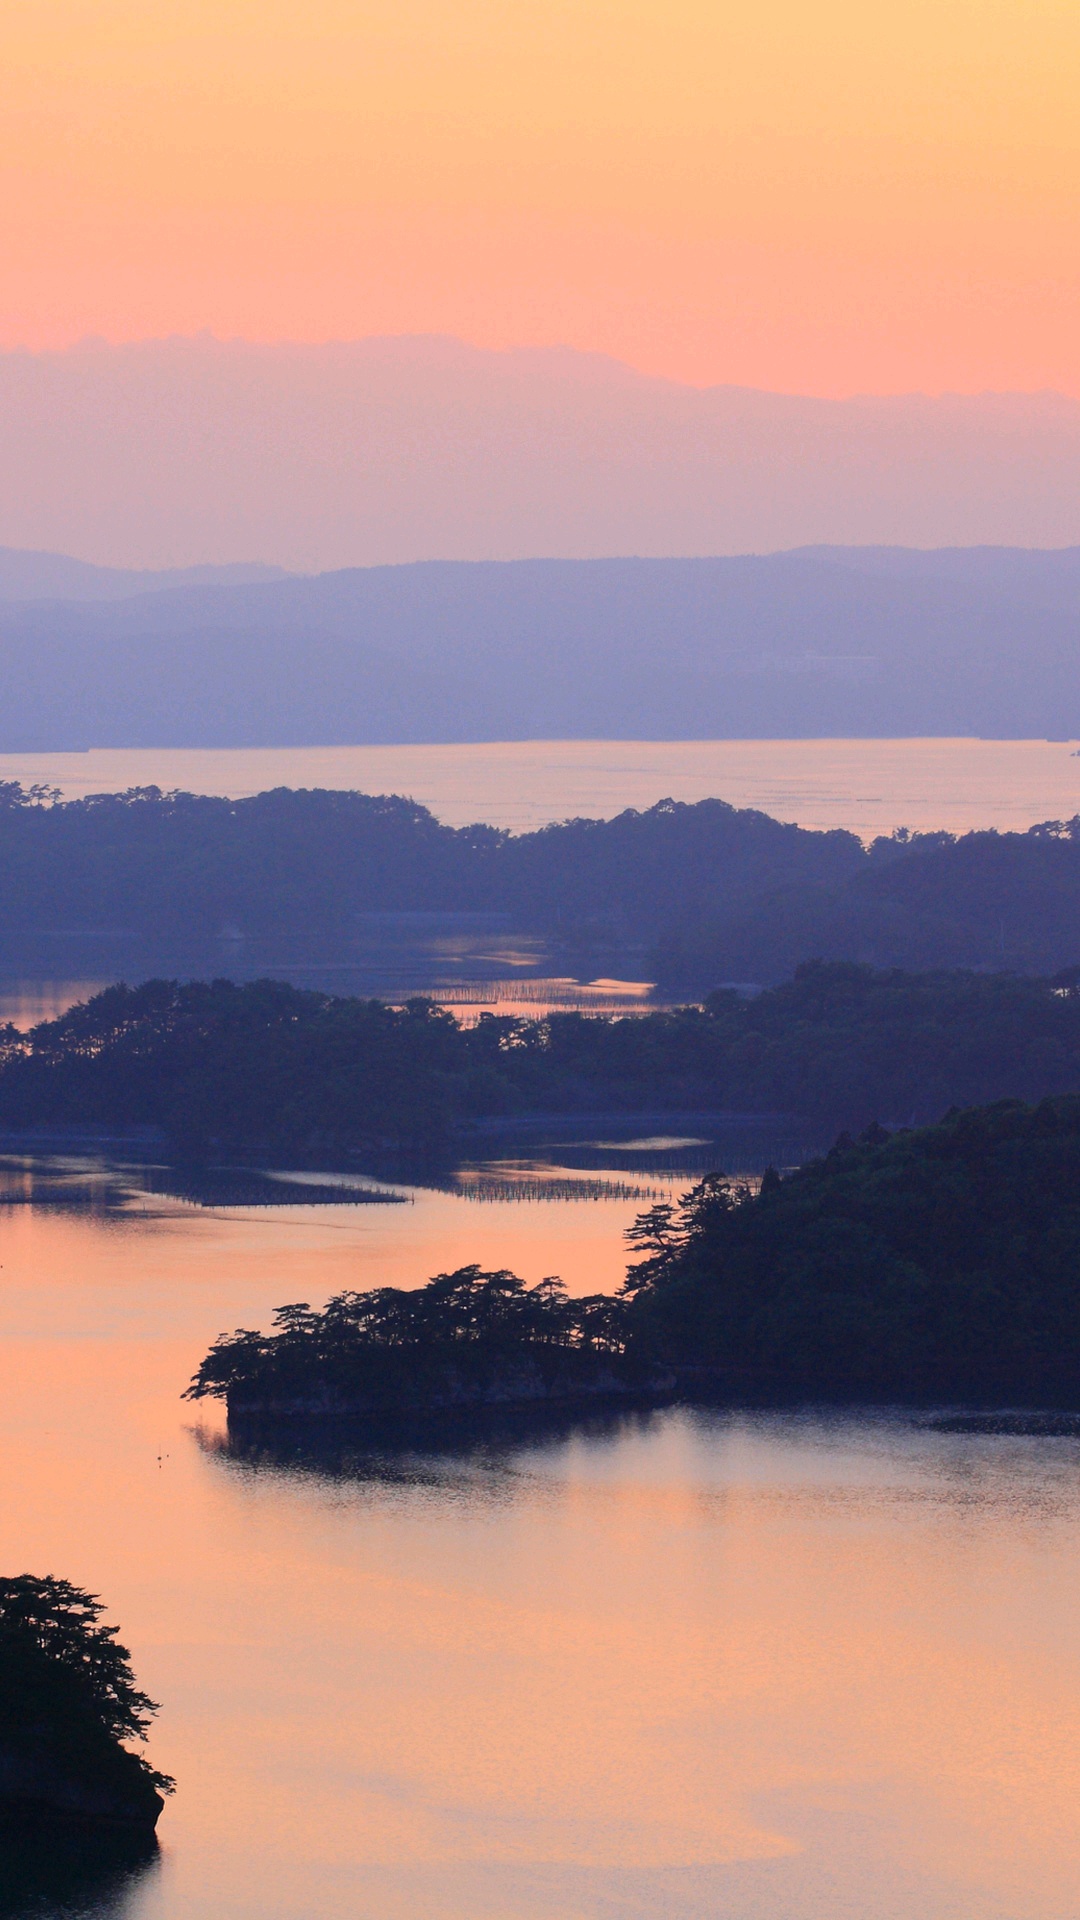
column 465, row 1339
column 68, row 1704
column 988, row 900
column 937, row 1262
column 943, row 1261
column 270, row 1068
column 714, row 893
column 200, row 864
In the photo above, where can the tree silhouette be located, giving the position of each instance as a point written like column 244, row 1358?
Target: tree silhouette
column 64, row 1623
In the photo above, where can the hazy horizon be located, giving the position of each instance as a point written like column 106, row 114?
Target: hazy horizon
column 192, row 452
column 544, row 349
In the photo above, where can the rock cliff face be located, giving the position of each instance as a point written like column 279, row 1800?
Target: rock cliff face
column 518, row 1383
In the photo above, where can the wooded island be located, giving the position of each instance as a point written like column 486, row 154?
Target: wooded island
column 941, row 1262
column 269, row 1069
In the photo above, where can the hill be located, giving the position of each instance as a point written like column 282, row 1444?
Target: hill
column 983, row 900
column 187, row 863
column 56, row 576
column 759, row 646
column 716, row 893
column 940, row 1262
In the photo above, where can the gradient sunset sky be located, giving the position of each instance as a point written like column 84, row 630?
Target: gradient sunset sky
column 807, row 195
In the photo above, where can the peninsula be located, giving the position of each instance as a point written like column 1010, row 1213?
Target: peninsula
column 466, row 1340
column 942, row 1262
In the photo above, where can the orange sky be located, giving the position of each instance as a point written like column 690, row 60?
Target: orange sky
column 821, row 195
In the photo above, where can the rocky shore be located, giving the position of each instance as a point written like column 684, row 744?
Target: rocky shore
column 45, row 1784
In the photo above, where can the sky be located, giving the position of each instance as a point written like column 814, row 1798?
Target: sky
column 815, row 196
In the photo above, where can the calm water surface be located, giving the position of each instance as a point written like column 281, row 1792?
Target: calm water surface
column 868, row 786
column 763, row 1666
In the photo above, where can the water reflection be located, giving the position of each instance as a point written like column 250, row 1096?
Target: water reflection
column 507, row 1182
column 470, row 963
column 850, row 1456
column 78, row 1183
column 611, row 1159
column 50, row 1873
column 89, row 1183
column 676, row 1146
column 254, row 1187
column 1033, row 1426
column 770, row 1664
column 495, row 1451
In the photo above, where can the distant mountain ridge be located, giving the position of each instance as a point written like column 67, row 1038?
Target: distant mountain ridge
column 382, row 451
column 56, row 576
column 815, row 643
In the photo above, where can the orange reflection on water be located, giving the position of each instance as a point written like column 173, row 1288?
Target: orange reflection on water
column 760, row 1666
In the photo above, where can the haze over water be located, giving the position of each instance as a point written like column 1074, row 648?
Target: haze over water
column 775, row 1666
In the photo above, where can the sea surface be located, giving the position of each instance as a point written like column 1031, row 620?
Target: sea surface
column 473, row 963
column 764, row 1665
column 867, row 786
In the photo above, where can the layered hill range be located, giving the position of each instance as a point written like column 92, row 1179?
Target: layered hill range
column 410, row 480
column 836, row 641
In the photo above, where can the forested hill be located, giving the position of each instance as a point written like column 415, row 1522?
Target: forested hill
column 268, row 1068
column 714, row 893
column 198, row 863
column 991, row 900
column 939, row 1262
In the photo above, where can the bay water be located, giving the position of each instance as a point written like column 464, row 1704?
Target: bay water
column 800, row 1664
column 867, row 786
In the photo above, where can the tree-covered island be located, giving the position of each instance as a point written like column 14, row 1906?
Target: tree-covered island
column 942, row 1262
column 68, row 1704
column 223, row 1069
column 467, row 1339
column 712, row 892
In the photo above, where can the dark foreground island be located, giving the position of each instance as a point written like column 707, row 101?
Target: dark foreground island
column 942, row 1262
column 68, row 1701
